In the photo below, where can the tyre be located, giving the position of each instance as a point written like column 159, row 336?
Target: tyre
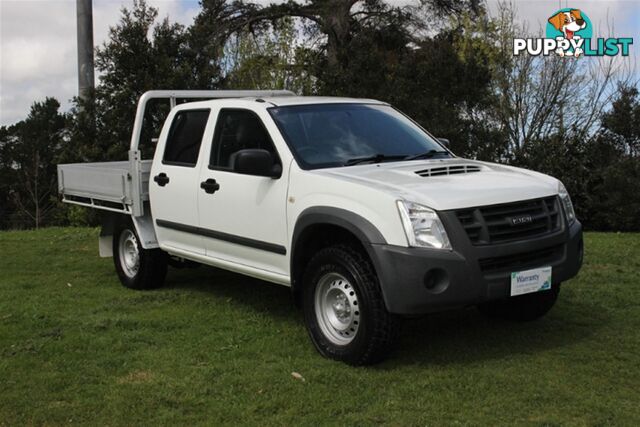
column 137, row 268
column 343, row 307
column 522, row 308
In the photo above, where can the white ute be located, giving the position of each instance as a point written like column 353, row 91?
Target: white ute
column 365, row 215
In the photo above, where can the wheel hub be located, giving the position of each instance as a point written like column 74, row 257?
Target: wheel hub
column 341, row 307
column 129, row 253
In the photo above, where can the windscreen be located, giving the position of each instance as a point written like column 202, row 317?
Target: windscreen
column 329, row 135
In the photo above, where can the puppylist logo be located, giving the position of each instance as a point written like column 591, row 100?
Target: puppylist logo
column 569, row 33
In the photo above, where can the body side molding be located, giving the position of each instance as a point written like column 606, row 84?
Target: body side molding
column 231, row 238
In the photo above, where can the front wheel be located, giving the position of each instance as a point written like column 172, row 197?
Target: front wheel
column 522, row 308
column 137, row 268
column 343, row 307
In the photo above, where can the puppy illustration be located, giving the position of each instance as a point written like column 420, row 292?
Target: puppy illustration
column 568, row 23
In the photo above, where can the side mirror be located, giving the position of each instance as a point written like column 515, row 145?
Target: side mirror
column 258, row 162
column 445, row 142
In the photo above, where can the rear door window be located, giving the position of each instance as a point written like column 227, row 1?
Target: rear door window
column 185, row 137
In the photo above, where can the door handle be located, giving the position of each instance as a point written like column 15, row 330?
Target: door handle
column 161, row 179
column 210, row 186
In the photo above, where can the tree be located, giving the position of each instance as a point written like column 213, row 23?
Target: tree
column 139, row 55
column 615, row 153
column 601, row 172
column 622, row 121
column 365, row 52
column 30, row 151
column 6, row 174
column 334, row 23
column 538, row 97
column 269, row 59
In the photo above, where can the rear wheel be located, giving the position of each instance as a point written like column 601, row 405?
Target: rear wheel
column 522, row 308
column 137, row 268
column 344, row 309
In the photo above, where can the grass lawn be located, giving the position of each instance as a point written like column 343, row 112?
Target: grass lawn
column 217, row 348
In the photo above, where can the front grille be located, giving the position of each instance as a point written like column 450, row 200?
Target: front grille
column 448, row 170
column 511, row 221
column 522, row 261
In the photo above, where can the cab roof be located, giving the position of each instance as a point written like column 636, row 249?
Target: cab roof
column 279, row 101
column 282, row 101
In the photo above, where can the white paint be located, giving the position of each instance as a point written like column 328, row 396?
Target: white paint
column 177, row 200
column 258, row 208
column 248, row 206
column 267, row 209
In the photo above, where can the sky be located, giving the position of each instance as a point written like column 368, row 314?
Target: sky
column 38, row 39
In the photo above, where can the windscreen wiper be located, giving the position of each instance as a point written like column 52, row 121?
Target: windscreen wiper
column 376, row 158
column 427, row 155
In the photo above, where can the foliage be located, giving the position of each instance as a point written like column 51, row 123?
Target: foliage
column 30, row 152
column 600, row 172
column 617, row 150
column 217, row 348
column 138, row 56
column 271, row 59
column 621, row 123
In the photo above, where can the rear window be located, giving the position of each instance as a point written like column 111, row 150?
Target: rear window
column 185, row 137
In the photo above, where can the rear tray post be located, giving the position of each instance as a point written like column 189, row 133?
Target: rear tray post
column 137, row 206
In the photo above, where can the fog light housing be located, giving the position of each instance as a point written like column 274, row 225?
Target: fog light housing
column 436, row 280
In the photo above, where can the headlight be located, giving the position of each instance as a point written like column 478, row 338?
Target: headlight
column 423, row 226
column 566, row 203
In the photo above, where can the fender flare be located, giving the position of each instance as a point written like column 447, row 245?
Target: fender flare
column 363, row 229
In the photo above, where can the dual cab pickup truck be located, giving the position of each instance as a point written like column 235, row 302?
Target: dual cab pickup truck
column 361, row 212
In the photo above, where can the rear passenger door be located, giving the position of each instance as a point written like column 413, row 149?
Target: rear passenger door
column 244, row 220
column 173, row 186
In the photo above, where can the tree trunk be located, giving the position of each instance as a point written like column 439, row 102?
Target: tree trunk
column 35, row 185
column 337, row 25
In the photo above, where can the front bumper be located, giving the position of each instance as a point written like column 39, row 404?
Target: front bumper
column 421, row 280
